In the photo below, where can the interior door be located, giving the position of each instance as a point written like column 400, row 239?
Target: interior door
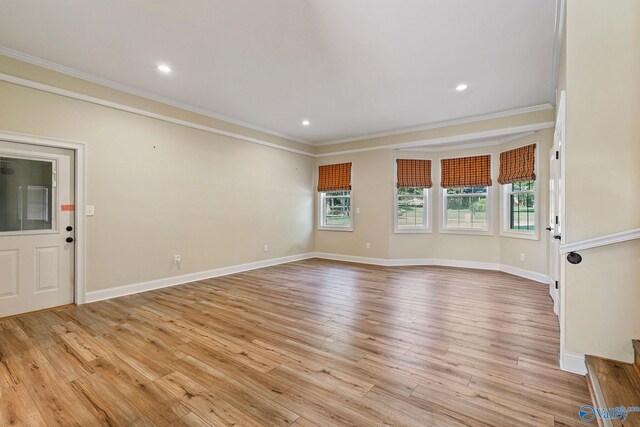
column 36, row 227
column 554, row 243
column 555, row 213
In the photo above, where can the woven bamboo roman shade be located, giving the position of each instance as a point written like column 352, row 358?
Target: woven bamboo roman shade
column 414, row 173
column 466, row 172
column 334, row 177
column 518, row 165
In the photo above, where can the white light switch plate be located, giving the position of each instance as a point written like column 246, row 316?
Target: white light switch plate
column 90, row 210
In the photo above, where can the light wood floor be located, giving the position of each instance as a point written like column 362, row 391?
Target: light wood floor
column 311, row 343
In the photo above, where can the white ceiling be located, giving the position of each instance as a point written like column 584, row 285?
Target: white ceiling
column 352, row 67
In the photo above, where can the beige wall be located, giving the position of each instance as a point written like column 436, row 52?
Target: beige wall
column 371, row 178
column 373, row 182
column 602, row 174
column 603, row 118
column 162, row 189
column 602, row 293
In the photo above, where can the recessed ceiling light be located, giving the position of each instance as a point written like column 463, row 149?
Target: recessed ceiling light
column 164, row 68
column 461, row 87
column 306, row 123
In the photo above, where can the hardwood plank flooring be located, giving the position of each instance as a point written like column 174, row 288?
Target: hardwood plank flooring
column 310, row 343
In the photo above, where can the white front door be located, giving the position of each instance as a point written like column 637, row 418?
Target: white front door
column 36, row 227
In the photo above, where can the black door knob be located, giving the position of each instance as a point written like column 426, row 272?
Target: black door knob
column 69, row 228
column 69, row 239
column 557, row 237
column 549, row 228
column 574, row 258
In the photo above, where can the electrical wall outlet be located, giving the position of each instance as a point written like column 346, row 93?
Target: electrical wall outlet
column 357, row 210
column 177, row 259
column 368, row 245
column 265, row 248
column 521, row 257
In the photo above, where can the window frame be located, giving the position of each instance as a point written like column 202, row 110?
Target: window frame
column 490, row 201
column 427, row 228
column 505, row 229
column 320, row 210
column 474, row 231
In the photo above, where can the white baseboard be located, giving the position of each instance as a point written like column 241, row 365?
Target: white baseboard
column 444, row 263
column 538, row 277
column 352, row 258
column 187, row 278
column 573, row 362
column 192, row 277
column 532, row 275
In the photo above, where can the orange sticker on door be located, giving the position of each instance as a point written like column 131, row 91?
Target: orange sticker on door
column 67, row 208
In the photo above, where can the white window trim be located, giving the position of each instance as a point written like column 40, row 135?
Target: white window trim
column 427, row 212
column 504, row 208
column 443, row 207
column 320, row 210
column 474, row 231
column 428, row 221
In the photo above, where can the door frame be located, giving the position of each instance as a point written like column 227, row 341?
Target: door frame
column 80, row 166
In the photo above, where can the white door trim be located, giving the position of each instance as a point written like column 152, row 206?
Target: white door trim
column 80, row 150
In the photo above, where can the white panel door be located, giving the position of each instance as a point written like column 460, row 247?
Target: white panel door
column 554, row 228
column 556, row 219
column 36, row 227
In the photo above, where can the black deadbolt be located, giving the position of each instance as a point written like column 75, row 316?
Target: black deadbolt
column 69, row 239
column 69, row 228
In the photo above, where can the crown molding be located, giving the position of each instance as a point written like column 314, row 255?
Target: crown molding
column 436, row 125
column 98, row 101
column 20, row 56
column 453, row 142
column 499, row 141
column 449, row 143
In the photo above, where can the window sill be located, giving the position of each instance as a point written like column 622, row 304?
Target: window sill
column 516, row 235
column 467, row 231
column 412, row 230
column 335, row 228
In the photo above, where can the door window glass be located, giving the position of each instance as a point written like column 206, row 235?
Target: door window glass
column 26, row 194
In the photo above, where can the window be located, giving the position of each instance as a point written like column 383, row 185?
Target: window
column 411, row 209
column 411, row 201
column 519, row 192
column 519, row 216
column 335, row 209
column 521, row 200
column 27, row 195
column 334, row 187
column 466, row 208
column 466, row 194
